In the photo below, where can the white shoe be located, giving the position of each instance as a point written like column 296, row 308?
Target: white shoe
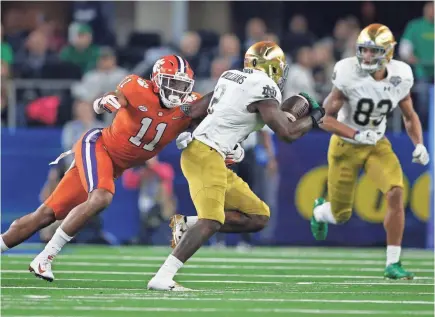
column 41, row 267
column 179, row 227
column 158, row 284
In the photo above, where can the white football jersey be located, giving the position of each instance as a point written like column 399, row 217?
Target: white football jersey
column 229, row 121
column 369, row 101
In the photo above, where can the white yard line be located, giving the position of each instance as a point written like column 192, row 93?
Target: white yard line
column 231, row 260
column 207, row 310
column 309, row 252
column 365, row 283
column 314, row 276
column 227, row 267
column 144, row 281
column 227, row 282
column 73, row 288
column 214, row 292
column 222, row 299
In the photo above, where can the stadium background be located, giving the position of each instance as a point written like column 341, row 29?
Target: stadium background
column 34, row 66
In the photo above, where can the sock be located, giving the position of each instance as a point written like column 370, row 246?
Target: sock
column 60, row 238
column 323, row 213
column 169, row 268
column 190, row 221
column 3, row 245
column 393, row 254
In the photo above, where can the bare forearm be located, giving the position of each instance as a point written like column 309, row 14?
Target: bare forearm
column 332, row 125
column 299, row 127
column 413, row 128
column 198, row 110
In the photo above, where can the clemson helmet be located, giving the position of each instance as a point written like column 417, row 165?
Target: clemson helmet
column 375, row 47
column 172, row 79
column 268, row 57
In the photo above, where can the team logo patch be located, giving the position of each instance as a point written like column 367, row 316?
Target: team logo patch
column 160, row 114
column 395, row 80
column 142, row 108
column 269, row 91
column 158, row 65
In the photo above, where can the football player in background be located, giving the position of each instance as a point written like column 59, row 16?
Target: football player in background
column 366, row 88
column 148, row 118
column 242, row 102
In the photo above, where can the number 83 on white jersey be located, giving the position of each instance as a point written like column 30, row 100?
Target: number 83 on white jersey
column 369, row 101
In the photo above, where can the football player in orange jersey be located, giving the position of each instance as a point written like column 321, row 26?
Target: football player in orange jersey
column 148, row 117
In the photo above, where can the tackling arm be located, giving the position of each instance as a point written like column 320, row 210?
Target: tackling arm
column 332, row 104
column 411, row 120
column 198, row 109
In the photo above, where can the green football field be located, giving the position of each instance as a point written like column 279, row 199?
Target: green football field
column 111, row 281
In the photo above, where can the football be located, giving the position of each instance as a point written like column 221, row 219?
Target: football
column 295, row 107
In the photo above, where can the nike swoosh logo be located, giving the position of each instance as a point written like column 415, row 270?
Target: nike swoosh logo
column 171, row 287
column 175, row 118
column 40, row 270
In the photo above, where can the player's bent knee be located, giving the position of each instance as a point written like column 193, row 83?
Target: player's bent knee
column 259, row 222
column 218, row 218
column 100, row 199
column 45, row 215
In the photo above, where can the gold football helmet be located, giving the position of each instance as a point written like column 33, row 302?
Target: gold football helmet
column 375, row 47
column 268, row 57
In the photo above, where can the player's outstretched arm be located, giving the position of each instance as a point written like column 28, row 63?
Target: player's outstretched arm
column 278, row 121
column 332, row 104
column 413, row 128
column 198, row 109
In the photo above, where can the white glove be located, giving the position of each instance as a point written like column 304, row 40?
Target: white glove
column 367, row 137
column 420, row 155
column 97, row 106
column 236, row 156
column 107, row 103
column 183, row 140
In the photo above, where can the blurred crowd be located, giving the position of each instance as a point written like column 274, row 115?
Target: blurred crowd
column 37, row 47
column 85, row 52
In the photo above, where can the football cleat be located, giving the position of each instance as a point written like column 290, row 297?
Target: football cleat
column 179, row 227
column 158, row 284
column 41, row 267
column 395, row 271
column 318, row 229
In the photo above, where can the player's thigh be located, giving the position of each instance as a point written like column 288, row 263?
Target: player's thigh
column 94, row 163
column 206, row 173
column 241, row 198
column 345, row 161
column 67, row 194
column 383, row 167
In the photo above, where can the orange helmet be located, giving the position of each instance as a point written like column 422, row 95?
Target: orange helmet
column 172, row 79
